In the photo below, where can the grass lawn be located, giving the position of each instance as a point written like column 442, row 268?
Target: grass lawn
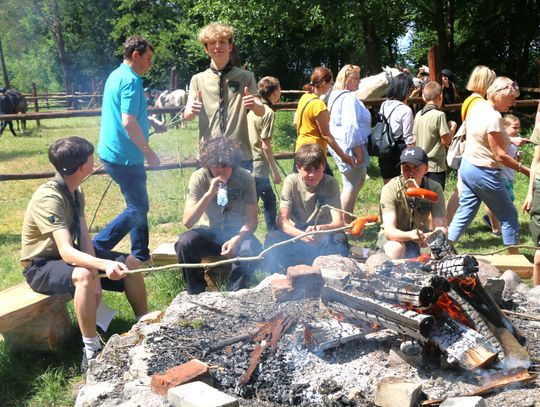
column 43, row 378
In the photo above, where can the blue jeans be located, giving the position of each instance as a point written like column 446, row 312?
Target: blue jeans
column 266, row 193
column 132, row 182
column 481, row 184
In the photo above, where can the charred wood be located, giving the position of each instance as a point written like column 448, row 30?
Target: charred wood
column 390, row 316
column 454, row 266
column 319, row 336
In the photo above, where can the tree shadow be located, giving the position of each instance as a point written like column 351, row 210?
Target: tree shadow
column 14, row 154
column 9, row 238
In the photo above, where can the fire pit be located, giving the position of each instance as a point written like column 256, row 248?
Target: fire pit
column 268, row 353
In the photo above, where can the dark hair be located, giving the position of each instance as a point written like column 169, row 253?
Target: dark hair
column 267, row 86
column 400, row 87
column 136, row 43
column 68, row 154
column 319, row 75
column 310, row 155
column 218, row 151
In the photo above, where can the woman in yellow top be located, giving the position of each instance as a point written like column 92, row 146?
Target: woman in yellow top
column 312, row 119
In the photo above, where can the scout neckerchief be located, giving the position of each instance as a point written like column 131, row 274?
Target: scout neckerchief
column 222, row 92
column 75, row 201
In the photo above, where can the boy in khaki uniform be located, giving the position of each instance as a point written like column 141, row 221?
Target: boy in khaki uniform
column 219, row 228
column 432, row 133
column 222, row 95
column 57, row 252
column 302, row 194
column 403, row 230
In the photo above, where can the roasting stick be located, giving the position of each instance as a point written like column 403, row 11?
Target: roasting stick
column 236, row 259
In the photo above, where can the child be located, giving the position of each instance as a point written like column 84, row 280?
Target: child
column 512, row 126
column 432, row 133
column 260, row 135
column 532, row 201
column 222, row 95
column 302, row 195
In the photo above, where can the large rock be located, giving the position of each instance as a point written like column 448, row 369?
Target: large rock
column 511, row 280
column 533, row 296
column 476, row 401
column 336, row 262
column 486, row 270
column 375, row 261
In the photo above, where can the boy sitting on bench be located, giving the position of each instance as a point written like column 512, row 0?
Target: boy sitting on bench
column 57, row 252
column 302, row 194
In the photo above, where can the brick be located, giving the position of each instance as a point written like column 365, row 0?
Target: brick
column 199, row 394
column 185, row 373
column 335, row 279
column 396, row 392
column 282, row 289
column 302, row 276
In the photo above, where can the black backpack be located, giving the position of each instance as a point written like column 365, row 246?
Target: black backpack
column 381, row 141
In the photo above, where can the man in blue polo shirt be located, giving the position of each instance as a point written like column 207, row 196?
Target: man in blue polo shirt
column 123, row 146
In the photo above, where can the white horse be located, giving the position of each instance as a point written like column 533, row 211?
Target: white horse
column 176, row 98
column 375, row 86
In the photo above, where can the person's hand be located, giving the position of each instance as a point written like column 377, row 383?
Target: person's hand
column 452, row 125
column 194, row 106
column 276, row 177
column 152, row 158
column 419, row 237
column 214, row 185
column 445, row 82
column 229, row 247
column 347, row 159
column 519, row 141
column 311, row 239
column 248, row 99
column 115, row 270
column 159, row 127
column 527, row 203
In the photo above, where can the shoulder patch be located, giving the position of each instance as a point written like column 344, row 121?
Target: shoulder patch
column 52, row 219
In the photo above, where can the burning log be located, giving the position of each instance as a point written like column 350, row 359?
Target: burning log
column 390, row 316
column 399, row 291
column 454, row 266
column 462, row 344
column 471, row 290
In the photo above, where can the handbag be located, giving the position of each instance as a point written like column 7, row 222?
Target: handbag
column 456, row 148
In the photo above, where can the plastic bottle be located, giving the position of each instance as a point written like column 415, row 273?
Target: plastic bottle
column 222, row 194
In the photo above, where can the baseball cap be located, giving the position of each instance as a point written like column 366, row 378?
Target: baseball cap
column 413, row 155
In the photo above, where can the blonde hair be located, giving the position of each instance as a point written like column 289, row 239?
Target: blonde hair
column 345, row 73
column 509, row 119
column 216, row 31
column 480, row 79
column 432, row 91
column 502, row 87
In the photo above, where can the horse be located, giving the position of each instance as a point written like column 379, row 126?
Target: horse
column 375, row 86
column 176, row 98
column 11, row 102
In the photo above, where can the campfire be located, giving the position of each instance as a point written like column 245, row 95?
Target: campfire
column 296, row 343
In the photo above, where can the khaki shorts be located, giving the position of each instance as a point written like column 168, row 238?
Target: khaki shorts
column 534, row 224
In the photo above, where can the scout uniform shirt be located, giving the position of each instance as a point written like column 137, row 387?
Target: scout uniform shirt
column 302, row 200
column 260, row 128
column 48, row 210
column 240, row 193
column 393, row 199
column 223, row 112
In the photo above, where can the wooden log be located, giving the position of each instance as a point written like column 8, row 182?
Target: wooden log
column 32, row 320
column 320, row 336
column 400, row 291
column 454, row 266
column 400, row 320
column 462, row 344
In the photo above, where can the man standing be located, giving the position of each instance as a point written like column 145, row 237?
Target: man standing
column 123, row 146
column 223, row 94
column 57, row 253
column 408, row 221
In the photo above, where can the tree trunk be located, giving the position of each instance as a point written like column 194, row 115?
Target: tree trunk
column 371, row 43
column 57, row 32
column 4, row 69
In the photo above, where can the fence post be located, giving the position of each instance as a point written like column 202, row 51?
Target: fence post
column 173, row 81
column 434, row 63
column 36, row 104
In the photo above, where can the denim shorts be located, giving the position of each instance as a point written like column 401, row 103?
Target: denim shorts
column 54, row 276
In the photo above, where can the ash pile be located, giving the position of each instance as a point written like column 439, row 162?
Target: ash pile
column 338, row 333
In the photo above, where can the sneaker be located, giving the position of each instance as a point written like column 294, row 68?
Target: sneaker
column 85, row 360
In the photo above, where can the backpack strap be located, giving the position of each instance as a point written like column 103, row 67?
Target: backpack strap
column 302, row 114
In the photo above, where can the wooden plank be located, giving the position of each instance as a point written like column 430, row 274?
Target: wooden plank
column 515, row 262
column 20, row 304
column 164, row 254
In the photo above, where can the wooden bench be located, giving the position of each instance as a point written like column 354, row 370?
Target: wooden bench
column 32, row 320
column 216, row 277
